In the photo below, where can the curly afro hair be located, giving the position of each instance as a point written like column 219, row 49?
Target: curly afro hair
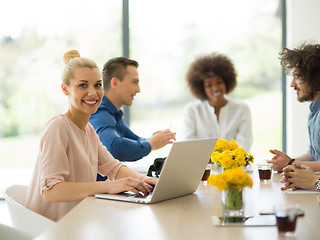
column 305, row 62
column 207, row 66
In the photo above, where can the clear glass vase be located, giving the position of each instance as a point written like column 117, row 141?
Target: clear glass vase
column 232, row 202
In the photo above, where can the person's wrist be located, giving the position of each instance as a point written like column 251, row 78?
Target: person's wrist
column 291, row 161
column 151, row 144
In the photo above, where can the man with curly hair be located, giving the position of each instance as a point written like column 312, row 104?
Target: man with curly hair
column 210, row 78
column 303, row 63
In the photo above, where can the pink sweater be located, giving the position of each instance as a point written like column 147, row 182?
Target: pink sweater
column 67, row 154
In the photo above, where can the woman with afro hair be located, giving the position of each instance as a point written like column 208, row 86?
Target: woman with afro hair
column 210, row 78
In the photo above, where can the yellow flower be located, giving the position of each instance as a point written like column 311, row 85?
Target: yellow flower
column 223, row 145
column 229, row 155
column 233, row 145
column 233, row 178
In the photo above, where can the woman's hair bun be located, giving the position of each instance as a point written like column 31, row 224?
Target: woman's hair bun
column 70, row 55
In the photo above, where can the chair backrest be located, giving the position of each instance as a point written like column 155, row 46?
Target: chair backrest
column 22, row 217
column 10, row 233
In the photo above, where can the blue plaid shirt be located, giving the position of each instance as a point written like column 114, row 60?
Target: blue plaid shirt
column 314, row 129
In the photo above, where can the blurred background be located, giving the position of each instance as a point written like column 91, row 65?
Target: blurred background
column 165, row 37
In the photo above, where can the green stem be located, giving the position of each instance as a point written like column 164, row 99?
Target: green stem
column 233, row 198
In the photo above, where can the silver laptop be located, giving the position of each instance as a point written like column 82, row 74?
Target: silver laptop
column 180, row 175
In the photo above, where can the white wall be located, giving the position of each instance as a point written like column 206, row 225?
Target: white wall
column 303, row 20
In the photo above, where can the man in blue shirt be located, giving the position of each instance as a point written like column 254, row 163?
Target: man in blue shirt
column 121, row 84
column 304, row 65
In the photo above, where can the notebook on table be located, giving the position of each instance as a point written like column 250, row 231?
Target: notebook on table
column 302, row 191
column 180, row 175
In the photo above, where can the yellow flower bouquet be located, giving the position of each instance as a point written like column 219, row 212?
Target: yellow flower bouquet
column 231, row 182
column 232, row 178
column 228, row 155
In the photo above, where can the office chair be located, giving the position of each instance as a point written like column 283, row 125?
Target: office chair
column 23, row 218
column 10, row 233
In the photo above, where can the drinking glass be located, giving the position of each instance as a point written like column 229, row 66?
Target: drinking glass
column 286, row 216
column 265, row 172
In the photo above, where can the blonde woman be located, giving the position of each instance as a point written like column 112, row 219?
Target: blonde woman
column 71, row 153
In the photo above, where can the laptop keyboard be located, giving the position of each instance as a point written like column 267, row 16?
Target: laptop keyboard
column 132, row 194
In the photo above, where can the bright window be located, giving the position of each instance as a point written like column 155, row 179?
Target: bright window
column 34, row 35
column 166, row 36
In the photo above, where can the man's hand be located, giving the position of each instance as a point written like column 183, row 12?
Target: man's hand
column 161, row 138
column 279, row 161
column 298, row 176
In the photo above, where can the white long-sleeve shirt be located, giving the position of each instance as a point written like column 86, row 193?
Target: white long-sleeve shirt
column 200, row 121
